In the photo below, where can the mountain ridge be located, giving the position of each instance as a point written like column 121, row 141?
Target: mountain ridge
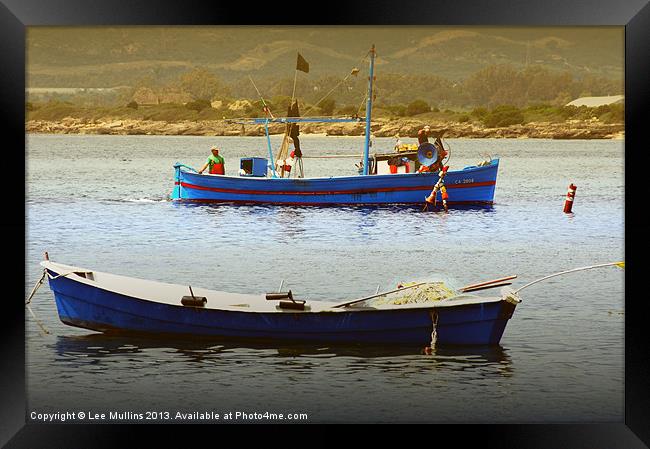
column 112, row 56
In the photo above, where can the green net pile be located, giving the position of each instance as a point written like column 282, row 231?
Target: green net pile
column 431, row 291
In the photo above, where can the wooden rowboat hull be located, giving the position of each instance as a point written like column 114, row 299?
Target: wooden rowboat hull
column 98, row 308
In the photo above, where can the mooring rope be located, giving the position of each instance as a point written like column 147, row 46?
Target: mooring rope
column 29, row 300
column 36, row 287
column 36, row 319
column 620, row 264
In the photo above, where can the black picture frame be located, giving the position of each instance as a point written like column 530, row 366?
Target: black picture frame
column 16, row 15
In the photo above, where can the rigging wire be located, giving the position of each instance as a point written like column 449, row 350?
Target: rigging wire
column 335, row 87
column 262, row 98
column 284, row 145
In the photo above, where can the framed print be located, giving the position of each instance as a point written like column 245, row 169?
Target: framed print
column 400, row 173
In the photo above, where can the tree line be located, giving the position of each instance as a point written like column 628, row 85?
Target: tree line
column 398, row 94
column 494, row 85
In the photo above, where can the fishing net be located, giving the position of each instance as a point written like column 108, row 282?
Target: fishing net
column 431, row 291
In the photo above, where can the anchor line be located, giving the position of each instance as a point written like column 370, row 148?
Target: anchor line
column 36, row 319
column 434, row 331
column 36, row 287
column 29, row 300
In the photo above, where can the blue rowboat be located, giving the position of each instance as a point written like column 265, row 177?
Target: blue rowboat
column 112, row 303
column 376, row 184
column 471, row 186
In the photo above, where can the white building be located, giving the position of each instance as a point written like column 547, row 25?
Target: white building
column 593, row 102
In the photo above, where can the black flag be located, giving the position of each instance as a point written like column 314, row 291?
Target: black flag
column 294, row 128
column 301, row 64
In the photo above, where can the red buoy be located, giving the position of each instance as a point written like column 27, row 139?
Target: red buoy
column 570, row 195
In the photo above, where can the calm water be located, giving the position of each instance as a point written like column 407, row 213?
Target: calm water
column 100, row 202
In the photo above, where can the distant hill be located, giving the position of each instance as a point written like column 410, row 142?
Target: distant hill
column 110, row 56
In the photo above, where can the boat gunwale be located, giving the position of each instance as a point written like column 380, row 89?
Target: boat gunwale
column 324, row 306
column 494, row 163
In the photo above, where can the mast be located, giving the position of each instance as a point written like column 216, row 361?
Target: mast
column 369, row 110
column 268, row 143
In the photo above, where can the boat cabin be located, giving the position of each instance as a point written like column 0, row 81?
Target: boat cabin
column 253, row 166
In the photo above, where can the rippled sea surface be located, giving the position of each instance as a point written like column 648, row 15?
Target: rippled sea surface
column 100, row 202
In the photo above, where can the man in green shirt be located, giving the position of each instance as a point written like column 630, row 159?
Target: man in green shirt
column 215, row 162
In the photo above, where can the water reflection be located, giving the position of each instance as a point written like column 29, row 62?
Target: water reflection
column 291, row 220
column 102, row 348
column 463, row 358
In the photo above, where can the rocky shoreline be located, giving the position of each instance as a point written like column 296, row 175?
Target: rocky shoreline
column 381, row 127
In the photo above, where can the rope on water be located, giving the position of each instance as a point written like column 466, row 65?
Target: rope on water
column 29, row 300
column 36, row 319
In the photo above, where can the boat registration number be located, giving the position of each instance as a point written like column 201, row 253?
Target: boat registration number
column 464, row 181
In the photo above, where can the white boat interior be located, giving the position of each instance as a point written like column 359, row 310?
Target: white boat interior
column 166, row 293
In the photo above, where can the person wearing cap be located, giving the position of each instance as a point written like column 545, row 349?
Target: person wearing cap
column 423, row 135
column 215, row 162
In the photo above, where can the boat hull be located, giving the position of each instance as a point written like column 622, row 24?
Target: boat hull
column 97, row 309
column 471, row 186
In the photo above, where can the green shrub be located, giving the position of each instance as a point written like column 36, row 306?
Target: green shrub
column 479, row 113
column 198, row 105
column 417, row 107
column 210, row 114
column 502, row 116
column 132, row 105
column 55, row 110
column 545, row 112
column 615, row 113
column 394, row 109
column 463, row 118
column 539, row 107
column 568, row 111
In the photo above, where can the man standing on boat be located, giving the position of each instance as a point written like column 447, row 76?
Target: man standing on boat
column 423, row 135
column 215, row 162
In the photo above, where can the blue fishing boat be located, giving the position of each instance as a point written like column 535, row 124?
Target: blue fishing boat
column 113, row 303
column 471, row 186
column 394, row 178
